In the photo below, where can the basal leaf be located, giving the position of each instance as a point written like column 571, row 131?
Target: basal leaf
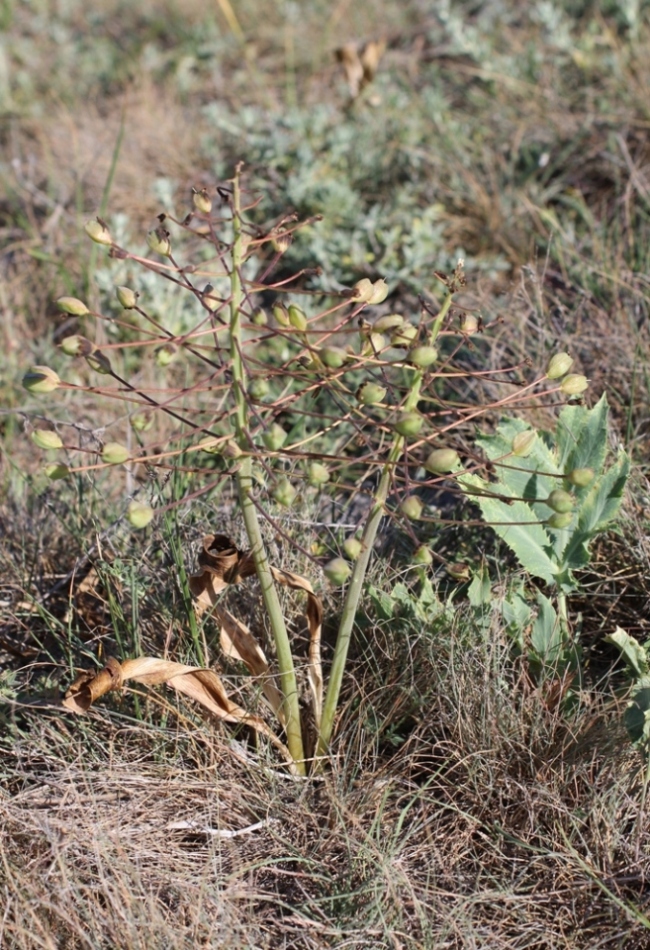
column 582, row 436
column 635, row 655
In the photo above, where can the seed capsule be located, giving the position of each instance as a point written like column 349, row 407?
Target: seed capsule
column 114, row 454
column 560, row 501
column 459, row 571
column 100, row 363
column 41, row 379
column 337, row 571
column 391, row 321
column 46, row 439
column 260, row 317
column 72, row 305
column 422, row 556
column 373, row 345
column 141, row 421
column 423, row 356
column 379, row 292
column 369, row 394
column 411, row 507
column 75, row 345
column 409, row 424
column 258, row 389
column 201, row 201
column 581, row 477
column 559, row 520
column 158, row 241
column 297, row 317
column 98, row 232
column 275, row 437
column 284, row 492
column 56, row 471
column 469, row 324
column 353, row 548
column 281, row 315
column 317, row 474
column 404, row 336
column 574, row 384
column 363, row 290
column 523, row 442
column 334, row 356
column 442, row 461
column 128, row 298
column 231, row 450
column 165, row 354
column 139, row 515
column 559, row 365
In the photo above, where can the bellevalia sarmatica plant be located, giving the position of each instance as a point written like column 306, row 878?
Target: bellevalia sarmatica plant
column 304, row 400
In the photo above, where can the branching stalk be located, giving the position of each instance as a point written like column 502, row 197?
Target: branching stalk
column 244, row 477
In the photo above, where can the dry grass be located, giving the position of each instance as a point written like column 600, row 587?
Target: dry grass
column 460, row 811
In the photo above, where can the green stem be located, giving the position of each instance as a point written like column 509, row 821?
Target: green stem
column 358, row 576
column 270, row 597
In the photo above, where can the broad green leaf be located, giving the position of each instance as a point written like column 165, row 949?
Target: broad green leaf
column 637, row 714
column 516, row 525
column 382, row 602
column 596, row 512
column 546, row 636
column 531, row 476
column 516, row 612
column 636, row 656
column 479, row 592
column 582, row 436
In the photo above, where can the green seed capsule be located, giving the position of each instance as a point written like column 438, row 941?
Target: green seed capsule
column 275, row 437
column 41, row 379
column 411, row 507
column 258, row 389
column 353, row 548
column 317, row 474
column 523, row 442
column 56, row 471
column 423, row 356
column 114, row 454
column 581, row 477
column 139, row 515
column 284, row 492
column 459, row 571
column 574, row 384
column 391, row 321
column 46, row 439
column 141, row 421
column 469, row 324
column 560, row 501
column 369, row 394
column 333, row 356
column 201, row 201
column 404, row 336
column 128, row 298
column 442, row 461
column 98, row 232
column 281, row 315
column 165, row 354
column 337, row 571
column 297, row 318
column 559, row 365
column 260, row 317
column 76, row 345
column 159, row 242
column 559, row 520
column 73, row 306
column 422, row 556
column 409, row 424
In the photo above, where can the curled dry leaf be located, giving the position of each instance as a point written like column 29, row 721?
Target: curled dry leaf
column 222, row 564
column 201, row 685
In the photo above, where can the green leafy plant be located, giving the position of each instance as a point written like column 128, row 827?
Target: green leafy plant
column 548, row 495
column 335, row 395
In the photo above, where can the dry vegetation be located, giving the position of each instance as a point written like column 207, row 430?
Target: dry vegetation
column 463, row 809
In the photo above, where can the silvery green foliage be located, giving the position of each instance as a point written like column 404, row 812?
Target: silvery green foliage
column 514, row 502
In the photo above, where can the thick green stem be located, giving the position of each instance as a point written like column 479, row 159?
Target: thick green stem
column 270, row 597
column 358, row 577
